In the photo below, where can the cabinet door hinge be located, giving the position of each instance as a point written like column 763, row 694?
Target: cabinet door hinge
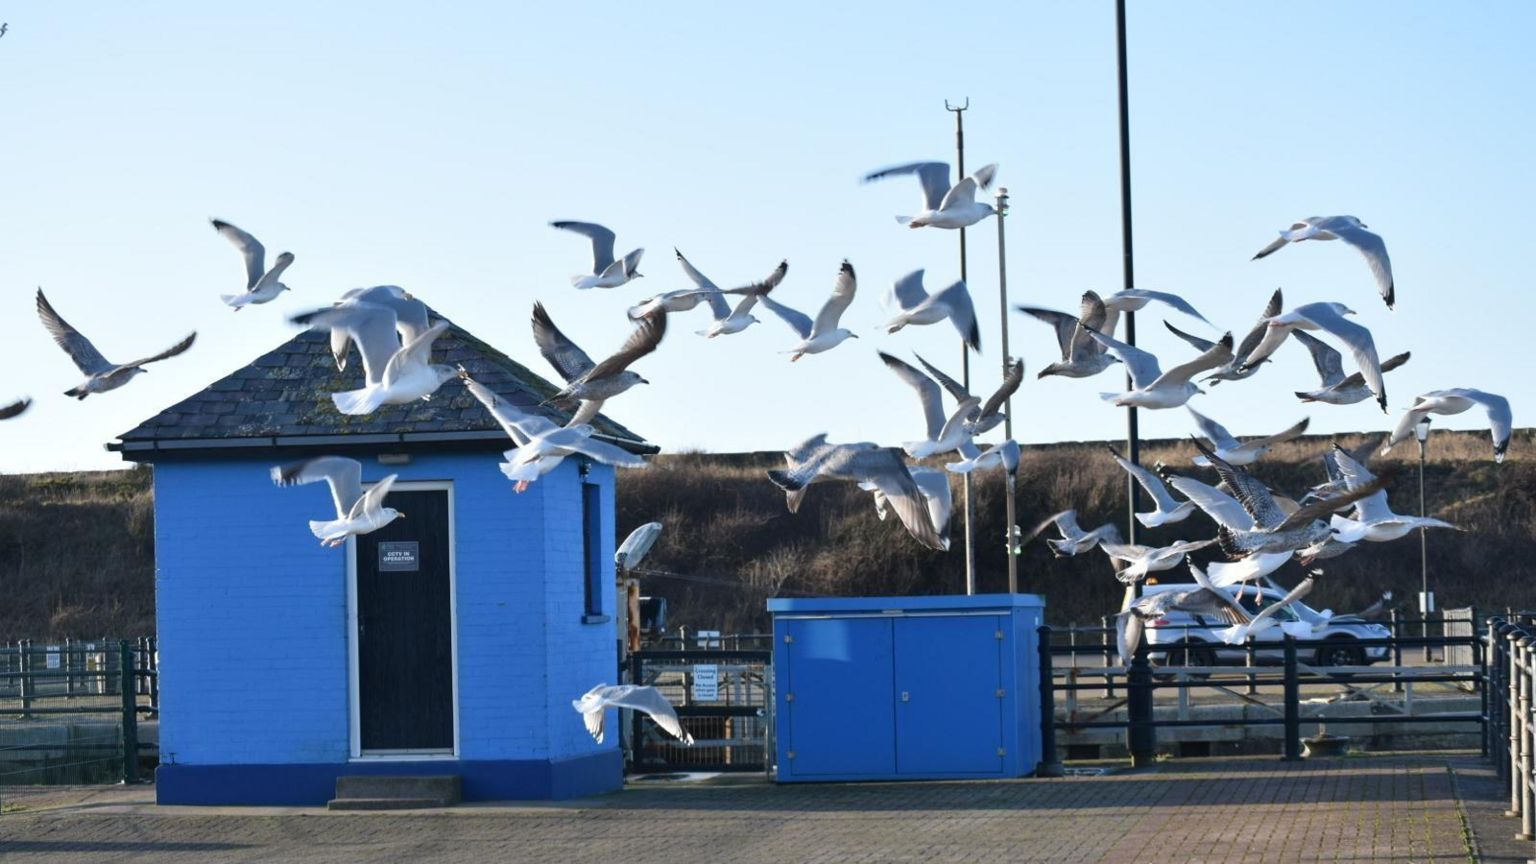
column 1001, row 692
column 1002, row 751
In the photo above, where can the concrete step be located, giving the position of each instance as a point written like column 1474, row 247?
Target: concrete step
column 383, row 803
column 379, row 792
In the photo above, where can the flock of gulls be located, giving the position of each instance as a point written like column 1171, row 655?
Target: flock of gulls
column 1258, row 528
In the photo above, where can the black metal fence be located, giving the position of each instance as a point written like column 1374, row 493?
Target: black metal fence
column 723, row 696
column 70, row 710
column 1134, row 685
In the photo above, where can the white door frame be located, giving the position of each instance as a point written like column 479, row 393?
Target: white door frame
column 354, row 713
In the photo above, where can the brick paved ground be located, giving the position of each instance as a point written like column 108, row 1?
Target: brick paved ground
column 1366, row 809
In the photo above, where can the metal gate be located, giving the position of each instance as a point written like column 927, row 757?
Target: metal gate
column 724, row 700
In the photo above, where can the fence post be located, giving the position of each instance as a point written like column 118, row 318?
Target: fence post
column 130, row 713
column 1397, row 649
column 28, row 686
column 1527, row 806
column 1105, row 628
column 1141, row 736
column 154, row 674
column 1292, row 703
column 1049, row 765
column 1517, row 681
column 1248, row 658
column 1480, row 678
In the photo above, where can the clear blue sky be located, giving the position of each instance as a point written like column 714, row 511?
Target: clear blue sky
column 428, row 145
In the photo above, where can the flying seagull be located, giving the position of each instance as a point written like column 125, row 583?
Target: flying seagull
column 393, row 374
column 595, row 703
column 1374, row 521
column 1005, row 455
column 541, row 445
column 943, row 207
column 823, row 334
column 1074, row 540
column 1205, row 599
column 1081, row 356
column 1228, row 448
column 881, row 468
column 1136, row 299
column 357, row 512
column 14, row 409
column 1336, row 388
column 1153, row 387
column 934, row 484
column 410, row 316
column 595, row 382
column 1351, row 231
column 954, row 434
column 101, row 374
column 991, row 415
column 1328, row 317
column 1234, row 370
column 606, row 272
column 1239, row 633
column 1167, row 511
column 261, row 285
column 1455, row 401
column 1142, row 560
column 919, row 307
column 735, row 319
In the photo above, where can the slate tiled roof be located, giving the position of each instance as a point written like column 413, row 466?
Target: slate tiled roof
column 286, row 393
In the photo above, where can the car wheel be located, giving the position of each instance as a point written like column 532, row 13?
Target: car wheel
column 1188, row 654
column 1340, row 654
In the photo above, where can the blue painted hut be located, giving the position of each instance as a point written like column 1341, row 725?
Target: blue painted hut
column 450, row 642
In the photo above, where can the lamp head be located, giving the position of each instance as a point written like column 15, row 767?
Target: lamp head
column 1421, row 430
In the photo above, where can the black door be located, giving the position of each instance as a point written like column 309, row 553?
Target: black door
column 404, row 635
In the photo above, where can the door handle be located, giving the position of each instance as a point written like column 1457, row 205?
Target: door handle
column 905, row 696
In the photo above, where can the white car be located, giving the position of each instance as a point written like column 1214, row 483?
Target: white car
column 1186, row 639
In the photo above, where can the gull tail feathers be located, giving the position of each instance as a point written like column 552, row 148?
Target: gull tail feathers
column 327, row 530
column 362, row 401
column 903, row 220
column 784, row 480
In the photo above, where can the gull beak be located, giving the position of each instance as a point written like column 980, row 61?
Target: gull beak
column 402, row 515
column 854, row 335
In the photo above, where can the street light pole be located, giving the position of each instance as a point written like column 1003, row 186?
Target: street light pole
column 1009, row 529
column 1132, row 432
column 965, row 357
column 1426, row 601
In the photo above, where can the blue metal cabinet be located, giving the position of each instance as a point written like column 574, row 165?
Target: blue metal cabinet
column 877, row 688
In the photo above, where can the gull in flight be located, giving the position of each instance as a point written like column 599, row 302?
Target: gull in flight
column 1225, row 511
column 1155, row 388
column 1074, row 540
column 1374, row 521
column 879, row 468
column 261, row 285
column 1239, row 633
column 823, row 334
column 1136, row 299
column 14, row 409
column 1005, row 455
column 1081, row 356
column 1337, row 388
column 393, row 374
column 410, row 316
column 1351, row 231
column 1205, row 599
column 1455, row 401
column 606, row 272
column 590, row 382
column 1233, row 370
column 101, row 374
column 1228, row 448
column 1381, row 610
column 934, row 484
column 1328, row 317
column 954, row 434
column 1269, row 527
column 1336, row 481
column 541, row 445
column 943, row 207
column 357, row 512
column 991, row 415
column 919, row 307
column 1168, row 511
column 727, row 320
column 1142, row 560
column 595, row 703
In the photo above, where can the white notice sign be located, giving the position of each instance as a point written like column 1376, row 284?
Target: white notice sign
column 706, row 683
column 53, row 656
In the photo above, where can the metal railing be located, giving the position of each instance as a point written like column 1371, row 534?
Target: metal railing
column 723, row 696
column 1511, row 733
column 44, row 685
column 1140, row 723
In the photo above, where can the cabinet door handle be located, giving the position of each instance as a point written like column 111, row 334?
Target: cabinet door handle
column 905, row 696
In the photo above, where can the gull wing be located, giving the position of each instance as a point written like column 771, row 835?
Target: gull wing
column 1284, row 435
column 1247, row 489
column 928, row 393
column 1148, row 480
column 1321, row 507
column 649, row 701
column 343, row 475
column 1064, row 324
column 1195, row 342
column 961, row 312
column 570, row 361
column 521, row 426
column 1256, row 335
column 1011, row 382
column 14, row 409
column 1173, row 300
column 417, row 352
column 1220, row 506
column 955, row 388
column 172, row 351
column 797, row 320
column 1218, row 433
column 934, row 176
column 1359, row 340
column 1375, row 251
column 602, row 241
column 961, row 193
column 1141, row 365
column 370, row 325
column 842, row 295
column 759, row 289
column 1329, row 363
column 642, row 341
column 251, row 250
column 373, row 500
column 1500, row 420
column 698, row 278
column 85, row 356
column 907, row 292
column 1218, row 355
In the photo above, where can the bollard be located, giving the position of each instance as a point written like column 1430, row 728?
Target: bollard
column 130, row 713
column 1292, row 703
column 1141, row 736
column 1049, row 765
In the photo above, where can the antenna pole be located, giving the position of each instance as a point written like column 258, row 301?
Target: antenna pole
column 1132, row 432
column 1010, row 530
column 965, row 356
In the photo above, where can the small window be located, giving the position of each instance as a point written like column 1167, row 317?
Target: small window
column 592, row 547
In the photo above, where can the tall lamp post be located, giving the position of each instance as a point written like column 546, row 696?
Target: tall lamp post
column 1426, row 599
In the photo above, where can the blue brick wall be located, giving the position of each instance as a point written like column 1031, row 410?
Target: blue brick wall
column 252, row 613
